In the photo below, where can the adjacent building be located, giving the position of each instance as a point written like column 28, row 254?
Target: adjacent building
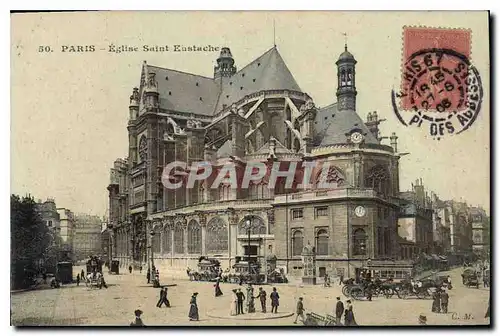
column 258, row 113
column 87, row 236
column 67, row 225
column 480, row 230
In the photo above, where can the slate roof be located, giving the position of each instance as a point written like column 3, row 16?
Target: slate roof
column 190, row 93
column 333, row 129
column 185, row 92
column 267, row 72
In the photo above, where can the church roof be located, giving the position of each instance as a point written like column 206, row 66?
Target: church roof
column 335, row 129
column 185, row 92
column 190, row 93
column 267, row 72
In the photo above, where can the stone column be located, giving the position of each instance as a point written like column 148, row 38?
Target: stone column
column 202, row 218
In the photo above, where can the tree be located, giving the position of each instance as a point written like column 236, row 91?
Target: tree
column 31, row 240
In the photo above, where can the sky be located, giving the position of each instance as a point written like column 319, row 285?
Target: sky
column 69, row 110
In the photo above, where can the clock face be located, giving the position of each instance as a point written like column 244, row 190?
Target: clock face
column 356, row 137
column 360, row 211
column 143, row 149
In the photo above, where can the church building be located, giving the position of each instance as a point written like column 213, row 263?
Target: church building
column 256, row 113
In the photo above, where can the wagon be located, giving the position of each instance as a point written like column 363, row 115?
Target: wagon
column 470, row 278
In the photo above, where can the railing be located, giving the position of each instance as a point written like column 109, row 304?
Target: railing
column 329, row 193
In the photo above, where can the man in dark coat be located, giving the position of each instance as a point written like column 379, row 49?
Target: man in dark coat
column 130, row 269
column 262, row 296
column 436, row 302
column 339, row 310
column 82, row 274
column 148, row 275
column 444, row 302
column 275, row 300
column 300, row 311
column 78, row 279
column 239, row 306
column 160, row 300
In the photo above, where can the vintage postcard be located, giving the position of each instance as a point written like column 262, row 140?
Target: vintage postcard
column 247, row 169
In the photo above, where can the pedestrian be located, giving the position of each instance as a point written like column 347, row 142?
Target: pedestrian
column 82, row 274
column 160, row 300
column 262, row 296
column 148, row 276
column 193, row 309
column 130, row 269
column 218, row 292
column 241, row 298
column 138, row 320
column 140, row 269
column 422, row 320
column 339, row 310
column 444, row 301
column 349, row 319
column 234, row 304
column 300, row 310
column 250, row 299
column 78, row 279
column 369, row 291
column 436, row 301
column 327, row 280
column 341, row 281
column 275, row 301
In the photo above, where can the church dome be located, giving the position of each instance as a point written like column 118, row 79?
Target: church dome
column 346, row 56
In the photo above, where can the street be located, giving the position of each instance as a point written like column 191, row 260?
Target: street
column 78, row 305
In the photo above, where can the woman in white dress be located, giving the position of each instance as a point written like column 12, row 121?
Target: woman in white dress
column 234, row 303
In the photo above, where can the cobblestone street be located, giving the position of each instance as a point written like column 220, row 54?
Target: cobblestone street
column 72, row 305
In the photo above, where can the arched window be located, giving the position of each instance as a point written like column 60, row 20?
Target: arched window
column 178, row 239
column 332, row 177
column 378, row 180
column 156, row 241
column 322, row 242
column 342, row 78
column 194, row 237
column 359, row 246
column 167, row 240
column 297, row 243
column 349, row 77
column 257, row 225
column 216, row 241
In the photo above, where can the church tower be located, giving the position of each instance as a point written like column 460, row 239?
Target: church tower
column 346, row 74
column 225, row 64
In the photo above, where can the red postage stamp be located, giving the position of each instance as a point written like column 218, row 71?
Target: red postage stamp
column 439, row 84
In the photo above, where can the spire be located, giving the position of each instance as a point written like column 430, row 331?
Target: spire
column 346, row 75
column 225, row 64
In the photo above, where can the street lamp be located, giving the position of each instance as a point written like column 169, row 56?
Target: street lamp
column 152, row 234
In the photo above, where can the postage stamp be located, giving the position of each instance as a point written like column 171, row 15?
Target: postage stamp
column 440, row 88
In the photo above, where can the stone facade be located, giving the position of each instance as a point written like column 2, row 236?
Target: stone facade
column 87, row 236
column 258, row 113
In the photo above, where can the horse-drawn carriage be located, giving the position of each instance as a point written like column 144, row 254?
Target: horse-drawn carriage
column 208, row 270
column 470, row 278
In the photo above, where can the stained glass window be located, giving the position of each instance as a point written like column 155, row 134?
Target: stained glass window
column 378, row 180
column 156, row 241
column 359, row 238
column 257, row 225
column 178, row 239
column 194, row 237
column 297, row 243
column 333, row 176
column 216, row 240
column 322, row 242
column 167, row 240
